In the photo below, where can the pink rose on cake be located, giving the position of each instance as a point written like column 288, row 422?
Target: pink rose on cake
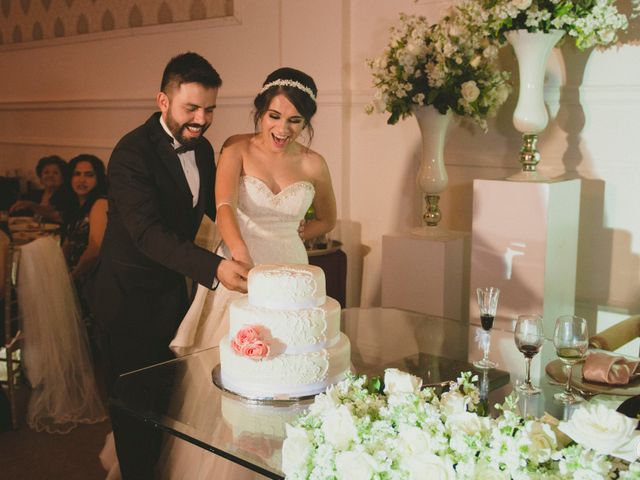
column 257, row 349
column 248, row 343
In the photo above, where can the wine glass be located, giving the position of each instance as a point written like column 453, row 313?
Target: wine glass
column 488, row 304
column 529, row 336
column 571, row 339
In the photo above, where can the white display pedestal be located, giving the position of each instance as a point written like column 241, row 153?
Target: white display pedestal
column 525, row 242
column 426, row 274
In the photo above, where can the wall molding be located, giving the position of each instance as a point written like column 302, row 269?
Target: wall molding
column 331, row 98
column 177, row 27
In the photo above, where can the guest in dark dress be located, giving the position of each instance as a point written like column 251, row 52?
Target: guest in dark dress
column 86, row 220
column 52, row 201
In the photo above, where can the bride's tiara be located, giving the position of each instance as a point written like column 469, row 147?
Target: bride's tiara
column 288, row 83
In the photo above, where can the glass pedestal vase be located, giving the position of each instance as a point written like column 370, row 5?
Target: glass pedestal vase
column 432, row 177
column 532, row 50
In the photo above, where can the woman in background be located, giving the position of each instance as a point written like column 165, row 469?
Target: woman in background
column 87, row 219
column 52, row 201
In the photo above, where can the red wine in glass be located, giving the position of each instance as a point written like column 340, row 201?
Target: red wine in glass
column 486, row 321
column 529, row 337
column 529, row 351
column 487, row 304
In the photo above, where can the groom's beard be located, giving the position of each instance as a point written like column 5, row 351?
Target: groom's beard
column 178, row 130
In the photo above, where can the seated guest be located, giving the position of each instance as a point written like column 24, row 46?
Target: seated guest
column 85, row 224
column 87, row 219
column 50, row 202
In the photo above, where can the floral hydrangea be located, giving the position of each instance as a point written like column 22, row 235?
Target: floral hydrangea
column 590, row 22
column 356, row 430
column 450, row 65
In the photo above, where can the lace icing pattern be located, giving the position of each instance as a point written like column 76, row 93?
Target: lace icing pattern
column 293, row 327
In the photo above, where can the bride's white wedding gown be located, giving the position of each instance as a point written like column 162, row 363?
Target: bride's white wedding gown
column 269, row 225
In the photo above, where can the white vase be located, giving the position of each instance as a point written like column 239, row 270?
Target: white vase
column 432, row 177
column 532, row 49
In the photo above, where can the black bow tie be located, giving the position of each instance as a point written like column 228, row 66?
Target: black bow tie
column 183, row 148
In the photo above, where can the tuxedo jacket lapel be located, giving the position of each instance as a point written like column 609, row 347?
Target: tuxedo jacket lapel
column 206, row 180
column 170, row 158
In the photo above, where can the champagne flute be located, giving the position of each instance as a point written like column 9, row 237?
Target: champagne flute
column 571, row 339
column 529, row 336
column 488, row 304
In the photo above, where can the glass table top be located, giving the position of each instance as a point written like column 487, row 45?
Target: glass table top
column 179, row 396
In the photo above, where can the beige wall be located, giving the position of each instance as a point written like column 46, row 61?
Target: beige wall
column 67, row 96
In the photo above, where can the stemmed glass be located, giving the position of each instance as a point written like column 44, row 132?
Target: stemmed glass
column 571, row 339
column 529, row 336
column 488, row 303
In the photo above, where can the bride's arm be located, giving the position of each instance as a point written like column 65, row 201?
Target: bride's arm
column 324, row 201
column 227, row 179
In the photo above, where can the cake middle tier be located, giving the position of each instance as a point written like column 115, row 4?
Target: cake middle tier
column 288, row 331
column 293, row 375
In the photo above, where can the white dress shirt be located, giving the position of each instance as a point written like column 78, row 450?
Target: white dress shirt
column 189, row 166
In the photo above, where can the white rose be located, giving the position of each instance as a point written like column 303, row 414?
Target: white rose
column 338, row 427
column 354, row 466
column 295, row 449
column 325, row 402
column 490, row 52
column 466, row 422
column 542, row 441
column 427, row 466
column 453, row 402
column 396, row 381
column 522, row 4
column 484, row 471
column 475, row 62
column 502, row 94
column 470, row 91
column 412, row 441
column 605, row 431
column 607, row 36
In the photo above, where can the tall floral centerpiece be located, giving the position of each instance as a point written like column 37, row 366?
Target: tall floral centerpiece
column 533, row 28
column 433, row 72
column 360, row 431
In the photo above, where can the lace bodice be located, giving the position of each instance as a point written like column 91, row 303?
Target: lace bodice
column 269, row 221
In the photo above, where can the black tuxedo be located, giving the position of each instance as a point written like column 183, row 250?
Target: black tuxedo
column 138, row 292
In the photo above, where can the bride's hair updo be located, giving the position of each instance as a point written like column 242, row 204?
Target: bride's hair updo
column 297, row 86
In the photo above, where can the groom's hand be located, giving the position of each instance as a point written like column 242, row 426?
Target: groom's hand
column 233, row 275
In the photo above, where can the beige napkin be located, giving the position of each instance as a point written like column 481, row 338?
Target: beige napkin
column 607, row 368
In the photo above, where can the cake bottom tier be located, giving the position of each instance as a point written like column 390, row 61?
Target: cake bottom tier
column 295, row 375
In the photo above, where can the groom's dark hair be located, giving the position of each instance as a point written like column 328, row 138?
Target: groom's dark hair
column 189, row 68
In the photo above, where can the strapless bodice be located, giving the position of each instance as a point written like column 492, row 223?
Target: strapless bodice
column 269, row 221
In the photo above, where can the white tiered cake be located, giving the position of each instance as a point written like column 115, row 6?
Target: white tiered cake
column 284, row 337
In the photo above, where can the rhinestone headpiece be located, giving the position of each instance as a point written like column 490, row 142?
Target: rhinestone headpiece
column 288, row 83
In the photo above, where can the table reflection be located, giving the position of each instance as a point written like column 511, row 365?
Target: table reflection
column 250, row 434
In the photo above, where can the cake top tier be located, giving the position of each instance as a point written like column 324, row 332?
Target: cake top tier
column 286, row 286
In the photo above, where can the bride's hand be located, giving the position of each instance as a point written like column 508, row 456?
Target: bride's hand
column 243, row 257
column 301, row 229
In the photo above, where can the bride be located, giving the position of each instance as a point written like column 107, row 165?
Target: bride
column 265, row 183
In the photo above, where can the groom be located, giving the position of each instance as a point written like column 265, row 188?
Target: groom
column 161, row 178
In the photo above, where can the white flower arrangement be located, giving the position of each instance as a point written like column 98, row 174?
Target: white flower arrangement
column 590, row 22
column 450, row 65
column 356, row 431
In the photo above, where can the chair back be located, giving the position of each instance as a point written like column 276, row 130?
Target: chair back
column 10, row 354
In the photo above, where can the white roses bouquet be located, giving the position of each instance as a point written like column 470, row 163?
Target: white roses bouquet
column 357, row 430
column 450, row 65
column 590, row 22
